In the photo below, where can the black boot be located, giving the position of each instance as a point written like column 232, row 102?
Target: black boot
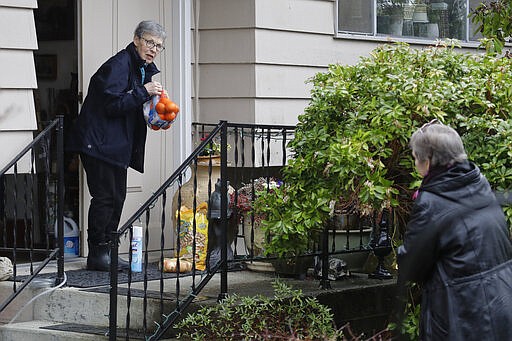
column 99, row 258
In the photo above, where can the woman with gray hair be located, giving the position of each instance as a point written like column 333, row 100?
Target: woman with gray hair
column 457, row 245
column 110, row 134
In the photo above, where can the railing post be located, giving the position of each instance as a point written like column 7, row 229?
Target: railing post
column 224, row 211
column 324, row 281
column 381, row 246
column 60, row 200
column 112, row 317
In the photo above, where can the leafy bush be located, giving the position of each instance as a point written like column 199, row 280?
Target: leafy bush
column 494, row 21
column 287, row 316
column 351, row 144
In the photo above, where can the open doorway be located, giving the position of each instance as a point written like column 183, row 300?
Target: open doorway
column 56, row 62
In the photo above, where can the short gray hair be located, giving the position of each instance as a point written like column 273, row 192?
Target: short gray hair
column 150, row 27
column 438, row 143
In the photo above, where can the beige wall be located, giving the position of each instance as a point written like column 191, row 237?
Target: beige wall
column 18, row 78
column 255, row 57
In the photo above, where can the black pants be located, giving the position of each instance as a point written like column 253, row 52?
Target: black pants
column 107, row 186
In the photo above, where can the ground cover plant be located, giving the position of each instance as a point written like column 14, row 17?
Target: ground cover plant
column 289, row 315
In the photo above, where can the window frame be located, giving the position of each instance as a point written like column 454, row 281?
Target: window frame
column 389, row 38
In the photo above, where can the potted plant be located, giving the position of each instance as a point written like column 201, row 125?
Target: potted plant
column 243, row 199
column 391, row 14
column 351, row 144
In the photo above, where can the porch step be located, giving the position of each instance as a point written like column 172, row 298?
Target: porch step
column 53, row 331
column 82, row 314
column 37, row 330
column 73, row 314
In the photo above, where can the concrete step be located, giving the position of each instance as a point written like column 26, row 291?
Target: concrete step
column 73, row 305
column 363, row 302
column 36, row 330
column 53, row 331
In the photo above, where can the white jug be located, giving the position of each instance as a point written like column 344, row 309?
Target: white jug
column 71, row 238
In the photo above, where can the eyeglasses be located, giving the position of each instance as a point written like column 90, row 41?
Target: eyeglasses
column 151, row 44
column 428, row 124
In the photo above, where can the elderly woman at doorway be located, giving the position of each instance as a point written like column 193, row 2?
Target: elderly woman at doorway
column 457, row 245
column 110, row 134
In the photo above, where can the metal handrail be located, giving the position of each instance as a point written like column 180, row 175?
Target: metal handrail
column 247, row 132
column 56, row 253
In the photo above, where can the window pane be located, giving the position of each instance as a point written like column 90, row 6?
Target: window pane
column 457, row 18
column 472, row 27
column 418, row 19
column 355, row 16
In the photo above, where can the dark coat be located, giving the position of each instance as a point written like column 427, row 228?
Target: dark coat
column 457, row 246
column 111, row 125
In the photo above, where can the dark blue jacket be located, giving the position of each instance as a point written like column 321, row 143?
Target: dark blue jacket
column 111, row 125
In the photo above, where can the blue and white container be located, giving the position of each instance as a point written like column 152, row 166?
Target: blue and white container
column 136, row 264
column 71, row 238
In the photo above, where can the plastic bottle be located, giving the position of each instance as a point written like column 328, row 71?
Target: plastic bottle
column 136, row 264
column 71, row 238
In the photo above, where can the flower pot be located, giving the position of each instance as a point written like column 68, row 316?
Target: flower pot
column 408, row 11
column 293, row 267
column 420, row 14
column 254, row 236
column 353, row 239
column 396, row 25
column 344, row 221
column 203, row 178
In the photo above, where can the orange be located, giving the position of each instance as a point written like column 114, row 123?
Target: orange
column 170, row 116
column 160, row 108
column 155, row 127
column 164, row 100
column 171, row 107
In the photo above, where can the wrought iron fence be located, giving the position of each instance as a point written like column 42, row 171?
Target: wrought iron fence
column 203, row 215
column 31, row 205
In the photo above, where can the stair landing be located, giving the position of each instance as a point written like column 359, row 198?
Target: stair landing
column 83, row 313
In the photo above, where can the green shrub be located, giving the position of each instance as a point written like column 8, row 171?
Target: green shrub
column 351, row 144
column 494, row 22
column 288, row 315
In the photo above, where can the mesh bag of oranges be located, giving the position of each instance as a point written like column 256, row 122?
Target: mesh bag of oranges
column 160, row 112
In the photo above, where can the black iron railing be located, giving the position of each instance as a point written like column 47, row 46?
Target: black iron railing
column 31, row 203
column 214, row 187
column 234, row 159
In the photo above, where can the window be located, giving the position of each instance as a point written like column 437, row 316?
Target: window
column 408, row 19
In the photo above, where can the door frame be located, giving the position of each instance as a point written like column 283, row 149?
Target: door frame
column 176, row 66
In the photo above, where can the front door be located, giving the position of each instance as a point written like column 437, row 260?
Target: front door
column 105, row 27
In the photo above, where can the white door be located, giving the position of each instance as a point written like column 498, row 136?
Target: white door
column 104, row 28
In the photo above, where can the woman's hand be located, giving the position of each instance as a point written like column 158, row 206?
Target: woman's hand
column 153, row 88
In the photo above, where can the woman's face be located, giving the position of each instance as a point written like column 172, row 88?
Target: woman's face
column 421, row 166
column 148, row 47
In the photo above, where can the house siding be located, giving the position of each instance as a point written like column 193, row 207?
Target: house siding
column 17, row 109
column 255, row 57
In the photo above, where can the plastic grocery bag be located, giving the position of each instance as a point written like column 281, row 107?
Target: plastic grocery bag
column 151, row 116
column 185, row 234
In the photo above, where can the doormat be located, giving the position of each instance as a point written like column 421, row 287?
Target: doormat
column 83, row 278
column 94, row 330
